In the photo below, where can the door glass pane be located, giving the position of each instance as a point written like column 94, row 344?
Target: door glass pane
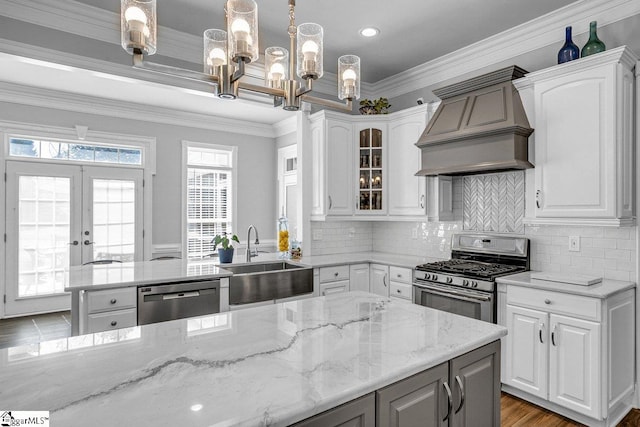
column 113, row 219
column 43, row 234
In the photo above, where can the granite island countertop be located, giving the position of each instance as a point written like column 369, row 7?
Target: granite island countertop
column 271, row 365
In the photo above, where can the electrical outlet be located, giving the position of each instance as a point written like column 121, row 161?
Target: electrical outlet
column 317, row 234
column 414, row 233
column 574, row 243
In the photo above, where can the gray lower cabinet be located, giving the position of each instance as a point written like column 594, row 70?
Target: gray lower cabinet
column 475, row 387
column 360, row 412
column 463, row 392
column 417, row 401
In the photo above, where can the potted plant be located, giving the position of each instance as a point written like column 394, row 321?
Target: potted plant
column 225, row 252
column 376, row 106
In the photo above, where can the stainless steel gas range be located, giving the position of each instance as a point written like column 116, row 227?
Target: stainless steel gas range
column 465, row 284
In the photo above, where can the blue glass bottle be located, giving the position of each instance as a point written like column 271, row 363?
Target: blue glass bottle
column 569, row 51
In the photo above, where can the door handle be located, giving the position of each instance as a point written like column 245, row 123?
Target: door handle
column 87, row 243
column 449, row 401
column 538, row 194
column 461, row 388
column 74, row 243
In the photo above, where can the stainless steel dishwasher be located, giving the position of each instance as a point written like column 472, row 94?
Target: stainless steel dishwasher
column 178, row 300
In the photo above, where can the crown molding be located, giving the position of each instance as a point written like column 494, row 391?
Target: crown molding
column 532, row 35
column 286, row 126
column 47, row 98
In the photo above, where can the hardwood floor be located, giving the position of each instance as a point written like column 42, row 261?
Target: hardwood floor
column 515, row 412
column 32, row 329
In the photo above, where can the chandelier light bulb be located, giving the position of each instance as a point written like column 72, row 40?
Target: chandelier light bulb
column 135, row 14
column 349, row 77
column 310, row 49
column 240, row 28
column 277, row 72
column 217, row 57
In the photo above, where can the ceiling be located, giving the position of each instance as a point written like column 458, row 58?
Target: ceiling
column 412, row 32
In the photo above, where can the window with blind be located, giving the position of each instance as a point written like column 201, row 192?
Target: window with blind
column 209, row 198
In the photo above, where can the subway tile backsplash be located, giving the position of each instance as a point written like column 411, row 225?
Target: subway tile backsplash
column 604, row 251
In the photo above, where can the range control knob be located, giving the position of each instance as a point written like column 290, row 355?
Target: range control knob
column 427, row 276
column 465, row 282
column 449, row 279
column 434, row 277
column 475, row 284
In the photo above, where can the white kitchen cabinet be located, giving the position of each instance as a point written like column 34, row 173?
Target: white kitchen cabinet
column 364, row 168
column 574, row 361
column 572, row 354
column 370, row 139
column 583, row 115
column 407, row 193
column 379, row 283
column 334, row 279
column 107, row 309
column 359, row 277
column 332, row 151
column 400, row 287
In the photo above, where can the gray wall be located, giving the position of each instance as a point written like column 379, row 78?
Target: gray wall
column 256, row 166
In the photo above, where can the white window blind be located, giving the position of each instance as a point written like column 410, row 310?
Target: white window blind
column 209, row 192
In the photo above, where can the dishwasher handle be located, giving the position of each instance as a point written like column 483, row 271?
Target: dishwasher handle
column 179, row 295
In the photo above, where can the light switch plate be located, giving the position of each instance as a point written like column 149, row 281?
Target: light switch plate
column 574, row 243
column 317, row 234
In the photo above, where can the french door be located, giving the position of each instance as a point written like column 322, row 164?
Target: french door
column 64, row 215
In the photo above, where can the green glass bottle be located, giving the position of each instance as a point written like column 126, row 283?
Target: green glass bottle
column 594, row 45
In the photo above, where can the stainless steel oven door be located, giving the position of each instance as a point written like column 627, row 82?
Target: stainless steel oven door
column 465, row 302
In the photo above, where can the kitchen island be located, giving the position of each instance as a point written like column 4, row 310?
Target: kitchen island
column 273, row 365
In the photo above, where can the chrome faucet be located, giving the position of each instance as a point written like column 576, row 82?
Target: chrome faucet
column 257, row 242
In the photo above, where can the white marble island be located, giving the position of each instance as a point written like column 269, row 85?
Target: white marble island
column 271, row 365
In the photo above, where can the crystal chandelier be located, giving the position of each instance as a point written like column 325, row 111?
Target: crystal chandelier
column 227, row 52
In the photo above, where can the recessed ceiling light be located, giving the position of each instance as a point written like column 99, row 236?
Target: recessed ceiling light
column 196, row 407
column 369, row 32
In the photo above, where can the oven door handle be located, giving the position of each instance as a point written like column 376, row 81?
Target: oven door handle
column 458, row 295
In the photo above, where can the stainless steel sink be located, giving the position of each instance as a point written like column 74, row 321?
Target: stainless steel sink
column 258, row 282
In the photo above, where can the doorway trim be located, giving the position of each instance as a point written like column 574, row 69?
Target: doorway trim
column 10, row 129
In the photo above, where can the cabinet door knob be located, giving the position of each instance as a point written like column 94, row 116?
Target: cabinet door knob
column 547, row 301
column 398, row 291
column 114, row 323
column 113, row 301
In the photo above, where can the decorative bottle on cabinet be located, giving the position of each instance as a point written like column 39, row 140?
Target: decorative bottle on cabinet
column 283, row 237
column 594, row 45
column 569, row 51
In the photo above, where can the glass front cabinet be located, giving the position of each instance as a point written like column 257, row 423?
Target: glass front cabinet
column 371, row 161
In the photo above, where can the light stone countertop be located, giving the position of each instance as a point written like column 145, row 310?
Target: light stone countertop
column 121, row 275
column 601, row 290
column 126, row 274
column 271, row 365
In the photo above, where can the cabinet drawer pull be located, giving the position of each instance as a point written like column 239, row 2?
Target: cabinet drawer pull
column 335, row 274
column 114, row 323
column 449, row 400
column 461, row 388
column 398, row 291
column 113, row 301
column 547, row 301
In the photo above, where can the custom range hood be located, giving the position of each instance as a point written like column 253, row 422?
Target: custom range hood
column 479, row 126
